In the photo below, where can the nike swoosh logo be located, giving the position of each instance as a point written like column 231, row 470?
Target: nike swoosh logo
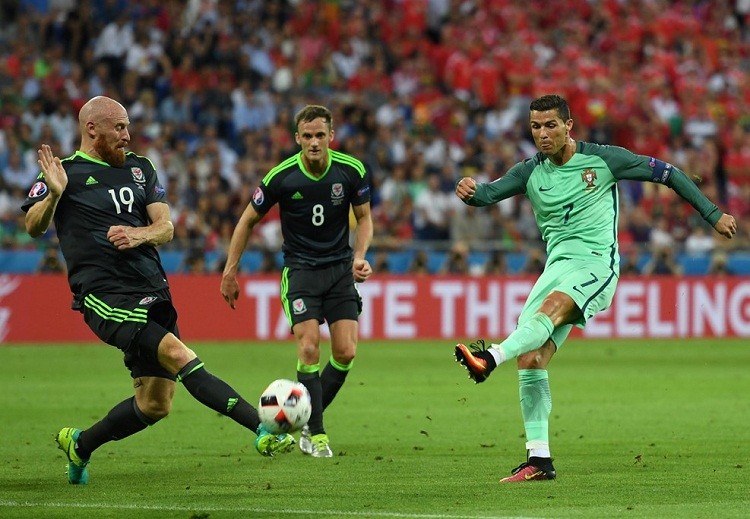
column 529, row 477
column 578, row 290
column 543, row 189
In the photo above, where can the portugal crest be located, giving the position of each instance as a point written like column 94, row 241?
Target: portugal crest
column 589, row 176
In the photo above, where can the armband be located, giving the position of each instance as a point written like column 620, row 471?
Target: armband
column 660, row 170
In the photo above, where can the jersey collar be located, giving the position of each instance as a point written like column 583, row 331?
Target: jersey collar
column 307, row 173
column 88, row 157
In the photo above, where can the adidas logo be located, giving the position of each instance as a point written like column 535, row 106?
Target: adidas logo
column 297, row 196
column 91, row 181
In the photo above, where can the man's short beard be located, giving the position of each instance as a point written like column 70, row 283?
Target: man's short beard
column 115, row 157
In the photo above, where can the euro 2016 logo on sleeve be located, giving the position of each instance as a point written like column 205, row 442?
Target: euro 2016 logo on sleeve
column 258, row 196
column 37, row 190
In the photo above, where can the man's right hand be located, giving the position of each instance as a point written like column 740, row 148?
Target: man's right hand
column 465, row 188
column 230, row 289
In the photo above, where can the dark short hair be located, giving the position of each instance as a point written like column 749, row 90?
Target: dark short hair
column 551, row 102
column 312, row 112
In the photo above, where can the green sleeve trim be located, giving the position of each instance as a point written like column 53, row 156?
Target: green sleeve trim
column 279, row 167
column 348, row 159
column 144, row 158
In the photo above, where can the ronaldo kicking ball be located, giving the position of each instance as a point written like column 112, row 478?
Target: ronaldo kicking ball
column 284, row 406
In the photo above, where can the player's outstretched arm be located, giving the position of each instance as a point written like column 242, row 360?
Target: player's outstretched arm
column 230, row 288
column 726, row 226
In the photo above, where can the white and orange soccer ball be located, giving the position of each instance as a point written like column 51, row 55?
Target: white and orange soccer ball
column 284, row 406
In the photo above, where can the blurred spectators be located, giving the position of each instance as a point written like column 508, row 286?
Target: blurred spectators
column 420, row 262
column 458, row 259
column 700, row 240
column 427, row 91
column 662, row 263
column 51, row 262
column 496, row 264
column 718, row 265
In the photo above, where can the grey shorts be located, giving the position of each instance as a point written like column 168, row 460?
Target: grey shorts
column 325, row 294
column 134, row 324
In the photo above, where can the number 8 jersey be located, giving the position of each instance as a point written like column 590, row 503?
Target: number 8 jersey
column 314, row 210
column 97, row 197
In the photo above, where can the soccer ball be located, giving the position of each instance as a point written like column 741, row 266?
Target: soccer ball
column 284, row 406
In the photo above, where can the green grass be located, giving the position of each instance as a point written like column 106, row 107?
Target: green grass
column 639, row 429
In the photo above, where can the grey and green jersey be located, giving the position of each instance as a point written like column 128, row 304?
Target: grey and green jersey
column 576, row 204
column 314, row 210
column 97, row 197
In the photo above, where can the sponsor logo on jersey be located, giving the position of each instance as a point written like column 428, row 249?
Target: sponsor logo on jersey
column 147, row 300
column 589, row 176
column 258, row 196
column 297, row 196
column 138, row 175
column 37, row 190
column 298, row 305
column 91, row 181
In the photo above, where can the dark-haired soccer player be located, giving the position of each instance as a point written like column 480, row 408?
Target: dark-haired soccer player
column 314, row 189
column 110, row 213
column 572, row 187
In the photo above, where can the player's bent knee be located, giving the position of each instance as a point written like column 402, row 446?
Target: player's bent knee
column 153, row 410
column 530, row 360
column 345, row 357
column 309, row 350
column 173, row 354
column 537, row 359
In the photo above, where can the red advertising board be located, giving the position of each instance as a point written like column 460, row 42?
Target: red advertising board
column 36, row 308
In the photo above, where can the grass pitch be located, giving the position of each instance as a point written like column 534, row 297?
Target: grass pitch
column 638, row 429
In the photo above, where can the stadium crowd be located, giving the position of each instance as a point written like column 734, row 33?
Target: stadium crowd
column 424, row 91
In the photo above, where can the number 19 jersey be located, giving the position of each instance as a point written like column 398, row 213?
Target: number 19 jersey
column 97, row 197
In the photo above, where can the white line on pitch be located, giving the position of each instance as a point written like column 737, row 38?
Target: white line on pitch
column 285, row 511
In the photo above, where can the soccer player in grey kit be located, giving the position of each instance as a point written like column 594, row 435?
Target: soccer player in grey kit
column 572, row 187
column 110, row 214
column 315, row 189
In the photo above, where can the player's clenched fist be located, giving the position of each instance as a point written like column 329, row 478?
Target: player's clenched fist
column 465, row 188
